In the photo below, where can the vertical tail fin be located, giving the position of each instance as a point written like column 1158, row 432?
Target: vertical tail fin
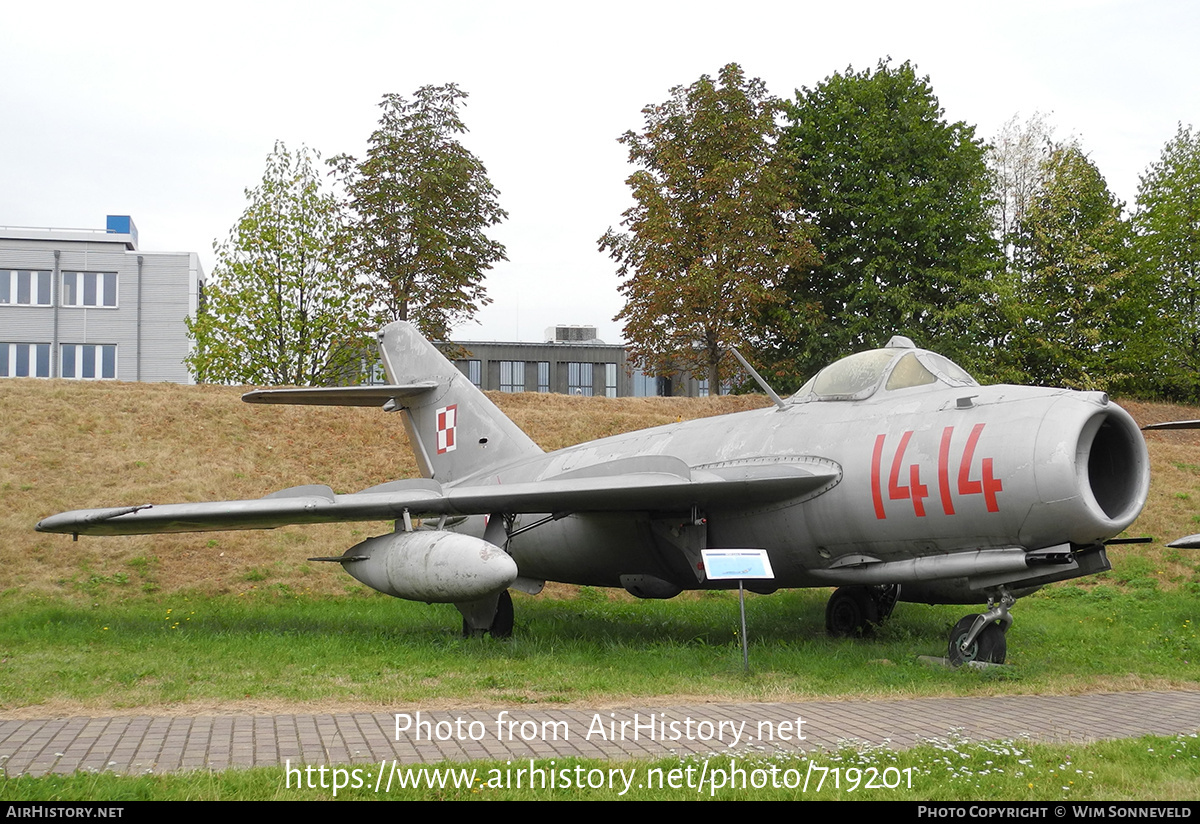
column 454, row 429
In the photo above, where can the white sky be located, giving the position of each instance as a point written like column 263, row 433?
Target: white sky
column 167, row 112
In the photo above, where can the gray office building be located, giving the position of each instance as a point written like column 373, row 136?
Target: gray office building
column 89, row 304
column 571, row 361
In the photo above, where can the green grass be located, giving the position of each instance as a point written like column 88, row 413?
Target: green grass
column 1151, row 768
column 371, row 650
column 269, row 646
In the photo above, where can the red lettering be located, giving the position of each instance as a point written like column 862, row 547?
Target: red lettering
column 965, row 485
column 991, row 485
column 876, row 493
column 915, row 489
column 919, row 491
column 988, row 486
column 895, row 491
column 944, row 471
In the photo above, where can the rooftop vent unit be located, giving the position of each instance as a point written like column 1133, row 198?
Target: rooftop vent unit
column 570, row 334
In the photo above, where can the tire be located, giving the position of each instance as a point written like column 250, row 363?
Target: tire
column 989, row 647
column 851, row 612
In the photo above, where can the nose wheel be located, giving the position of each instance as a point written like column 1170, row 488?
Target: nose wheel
column 988, row 646
column 982, row 637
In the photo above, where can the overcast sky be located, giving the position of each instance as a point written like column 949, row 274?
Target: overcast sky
column 166, row 111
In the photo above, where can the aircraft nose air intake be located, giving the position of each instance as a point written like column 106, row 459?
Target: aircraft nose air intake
column 1092, row 469
column 1111, row 458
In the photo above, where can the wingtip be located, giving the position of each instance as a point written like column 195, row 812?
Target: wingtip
column 54, row 523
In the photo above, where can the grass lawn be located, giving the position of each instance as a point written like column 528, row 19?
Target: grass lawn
column 1146, row 769
column 371, row 651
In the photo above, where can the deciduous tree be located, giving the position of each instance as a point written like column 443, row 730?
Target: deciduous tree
column 1079, row 306
column 900, row 199
column 1168, row 243
column 713, row 237
column 1017, row 159
column 280, row 306
column 421, row 206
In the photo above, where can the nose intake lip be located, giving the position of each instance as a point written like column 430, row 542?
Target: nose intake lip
column 1092, row 473
column 1112, row 465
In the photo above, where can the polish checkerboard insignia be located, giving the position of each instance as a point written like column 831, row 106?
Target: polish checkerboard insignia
column 447, row 419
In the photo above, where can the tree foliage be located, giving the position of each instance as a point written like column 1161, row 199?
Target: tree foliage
column 421, row 205
column 900, row 199
column 280, row 306
column 1077, row 306
column 1017, row 160
column 1168, row 242
column 713, row 240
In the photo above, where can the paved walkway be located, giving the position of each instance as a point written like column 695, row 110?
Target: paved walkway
column 140, row 744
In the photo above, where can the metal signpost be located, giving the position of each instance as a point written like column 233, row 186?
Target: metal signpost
column 743, row 565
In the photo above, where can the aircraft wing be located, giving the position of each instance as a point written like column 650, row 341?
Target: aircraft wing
column 637, row 485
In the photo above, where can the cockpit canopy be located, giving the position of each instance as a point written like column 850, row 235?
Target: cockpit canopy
column 899, row 365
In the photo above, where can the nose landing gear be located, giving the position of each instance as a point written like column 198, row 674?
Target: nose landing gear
column 981, row 637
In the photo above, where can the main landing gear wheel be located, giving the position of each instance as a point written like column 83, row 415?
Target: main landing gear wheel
column 502, row 623
column 989, row 646
column 851, row 611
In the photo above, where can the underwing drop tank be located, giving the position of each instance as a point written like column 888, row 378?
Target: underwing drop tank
column 433, row 566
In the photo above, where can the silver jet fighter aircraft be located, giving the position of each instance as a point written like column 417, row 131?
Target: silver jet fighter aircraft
column 891, row 475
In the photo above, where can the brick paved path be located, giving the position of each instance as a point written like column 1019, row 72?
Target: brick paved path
column 138, row 744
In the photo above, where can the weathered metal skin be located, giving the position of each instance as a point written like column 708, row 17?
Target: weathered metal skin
column 1047, row 467
column 437, row 567
column 890, row 467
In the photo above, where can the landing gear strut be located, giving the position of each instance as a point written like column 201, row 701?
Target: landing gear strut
column 981, row 637
column 502, row 622
column 500, row 529
column 857, row 611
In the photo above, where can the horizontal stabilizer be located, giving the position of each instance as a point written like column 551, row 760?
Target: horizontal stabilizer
column 341, row 395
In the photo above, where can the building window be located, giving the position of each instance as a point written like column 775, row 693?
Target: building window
column 543, row 376
column 579, row 379
column 610, row 380
column 373, row 369
column 473, row 370
column 512, row 376
column 89, row 361
column 24, row 360
column 22, row 287
column 702, row 388
column 89, row 289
